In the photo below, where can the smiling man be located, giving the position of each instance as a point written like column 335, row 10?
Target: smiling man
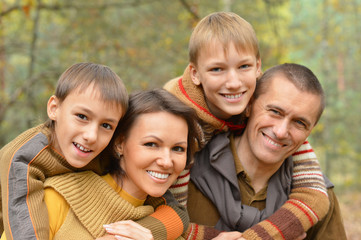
column 238, row 181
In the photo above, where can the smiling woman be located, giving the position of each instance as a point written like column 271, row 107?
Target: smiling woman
column 147, row 160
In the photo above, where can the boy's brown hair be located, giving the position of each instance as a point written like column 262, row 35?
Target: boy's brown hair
column 226, row 28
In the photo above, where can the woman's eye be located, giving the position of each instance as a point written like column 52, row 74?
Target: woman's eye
column 81, row 116
column 179, row 149
column 150, row 144
column 107, row 126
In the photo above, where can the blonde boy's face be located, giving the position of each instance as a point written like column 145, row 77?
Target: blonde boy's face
column 84, row 125
column 228, row 80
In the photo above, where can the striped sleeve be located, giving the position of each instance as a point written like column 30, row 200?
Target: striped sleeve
column 169, row 220
column 308, row 202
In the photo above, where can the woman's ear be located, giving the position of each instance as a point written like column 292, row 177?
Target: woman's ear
column 194, row 74
column 52, row 107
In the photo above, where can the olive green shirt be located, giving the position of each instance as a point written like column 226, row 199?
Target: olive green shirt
column 202, row 211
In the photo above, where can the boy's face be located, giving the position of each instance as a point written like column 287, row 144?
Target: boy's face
column 228, row 80
column 152, row 157
column 84, row 125
column 280, row 120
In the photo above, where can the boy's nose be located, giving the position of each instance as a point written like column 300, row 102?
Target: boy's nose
column 91, row 133
column 233, row 81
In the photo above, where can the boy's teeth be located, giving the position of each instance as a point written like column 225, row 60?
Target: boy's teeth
column 158, row 175
column 233, row 95
column 82, row 148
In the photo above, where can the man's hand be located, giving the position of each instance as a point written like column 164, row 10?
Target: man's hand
column 126, row 230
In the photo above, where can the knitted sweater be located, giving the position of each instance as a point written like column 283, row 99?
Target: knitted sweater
column 307, row 179
column 93, row 203
column 25, row 164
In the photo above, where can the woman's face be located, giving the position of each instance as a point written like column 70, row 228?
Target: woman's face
column 154, row 153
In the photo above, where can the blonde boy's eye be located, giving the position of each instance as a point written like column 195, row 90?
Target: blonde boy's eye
column 244, row 66
column 216, row 69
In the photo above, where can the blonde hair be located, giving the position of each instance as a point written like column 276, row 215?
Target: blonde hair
column 225, row 27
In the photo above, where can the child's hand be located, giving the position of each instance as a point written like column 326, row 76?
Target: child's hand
column 229, row 236
column 128, row 230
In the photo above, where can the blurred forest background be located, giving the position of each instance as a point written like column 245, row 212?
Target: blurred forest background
column 146, row 43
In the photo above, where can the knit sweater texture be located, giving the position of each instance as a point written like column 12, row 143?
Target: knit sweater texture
column 93, row 203
column 25, row 164
column 307, row 178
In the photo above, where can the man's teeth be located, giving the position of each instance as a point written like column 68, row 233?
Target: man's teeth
column 81, row 147
column 232, row 96
column 158, row 175
column 273, row 143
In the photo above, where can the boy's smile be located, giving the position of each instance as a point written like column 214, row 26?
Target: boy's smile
column 228, row 78
column 84, row 125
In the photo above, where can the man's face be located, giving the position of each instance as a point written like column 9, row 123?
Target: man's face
column 228, row 79
column 280, row 120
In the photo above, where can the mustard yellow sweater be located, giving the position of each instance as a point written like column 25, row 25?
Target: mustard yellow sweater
column 26, row 162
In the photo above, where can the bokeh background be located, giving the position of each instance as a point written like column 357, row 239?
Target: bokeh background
column 146, row 43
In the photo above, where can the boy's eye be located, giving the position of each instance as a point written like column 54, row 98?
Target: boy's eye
column 216, row 69
column 244, row 66
column 107, row 126
column 81, row 116
column 179, row 149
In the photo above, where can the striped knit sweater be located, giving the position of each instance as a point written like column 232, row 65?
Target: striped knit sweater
column 94, row 203
column 308, row 200
column 25, row 164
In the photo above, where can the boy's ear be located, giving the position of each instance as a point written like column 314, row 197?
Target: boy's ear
column 52, row 107
column 194, row 74
column 259, row 68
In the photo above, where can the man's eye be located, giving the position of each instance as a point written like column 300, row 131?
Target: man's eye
column 301, row 123
column 179, row 149
column 275, row 111
column 81, row 116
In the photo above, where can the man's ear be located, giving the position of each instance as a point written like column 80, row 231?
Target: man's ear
column 248, row 109
column 52, row 107
column 194, row 74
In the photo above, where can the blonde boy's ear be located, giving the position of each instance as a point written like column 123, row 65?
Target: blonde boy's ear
column 259, row 68
column 52, row 107
column 194, row 74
